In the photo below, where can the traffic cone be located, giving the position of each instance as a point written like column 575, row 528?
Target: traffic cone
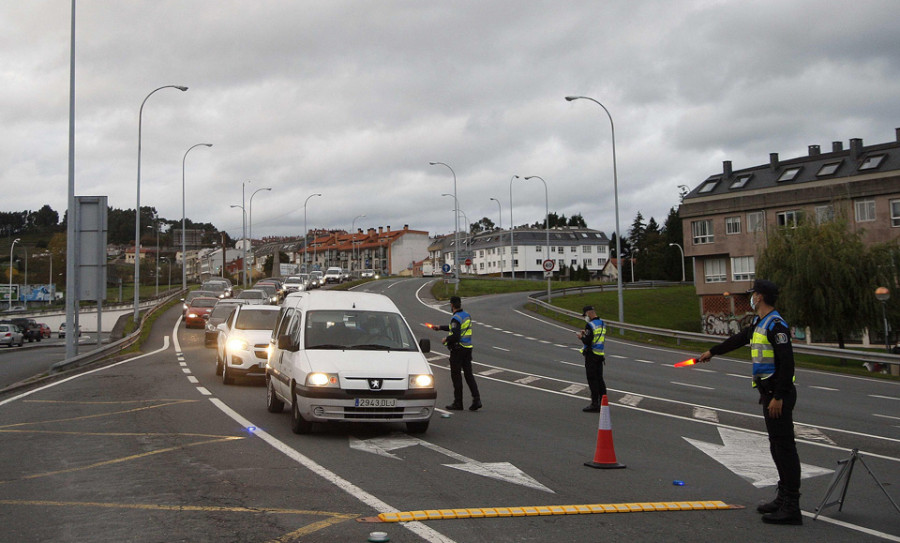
column 605, row 455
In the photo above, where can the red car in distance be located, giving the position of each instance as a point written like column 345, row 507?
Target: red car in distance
column 198, row 311
column 45, row 330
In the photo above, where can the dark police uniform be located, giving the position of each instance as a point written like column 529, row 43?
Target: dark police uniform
column 460, row 344
column 594, row 340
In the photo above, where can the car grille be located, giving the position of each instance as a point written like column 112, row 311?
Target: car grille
column 362, row 413
column 260, row 350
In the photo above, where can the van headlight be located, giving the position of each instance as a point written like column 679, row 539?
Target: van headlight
column 421, row 381
column 237, row 345
column 329, row 380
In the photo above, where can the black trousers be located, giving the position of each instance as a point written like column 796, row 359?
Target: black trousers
column 593, row 367
column 781, row 440
column 461, row 362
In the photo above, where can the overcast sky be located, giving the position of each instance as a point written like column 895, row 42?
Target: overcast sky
column 353, row 99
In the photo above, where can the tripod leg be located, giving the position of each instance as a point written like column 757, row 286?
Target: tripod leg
column 839, row 474
column 861, row 461
column 853, row 456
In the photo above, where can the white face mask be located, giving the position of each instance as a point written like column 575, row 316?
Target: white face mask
column 753, row 302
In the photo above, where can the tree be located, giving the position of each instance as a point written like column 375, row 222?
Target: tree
column 827, row 277
column 267, row 265
column 576, row 221
column 483, row 225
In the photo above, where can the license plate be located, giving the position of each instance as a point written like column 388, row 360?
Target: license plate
column 376, row 402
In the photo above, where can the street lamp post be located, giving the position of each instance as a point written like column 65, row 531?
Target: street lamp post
column 243, row 247
column 616, row 200
column 455, row 230
column 137, row 214
column 353, row 242
column 882, row 294
column 25, row 282
column 512, row 230
column 11, row 247
column 306, row 234
column 250, row 228
column 183, row 243
column 682, row 260
column 547, row 203
column 500, row 226
column 465, row 219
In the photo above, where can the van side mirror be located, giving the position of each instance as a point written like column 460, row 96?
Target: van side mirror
column 285, row 343
column 425, row 345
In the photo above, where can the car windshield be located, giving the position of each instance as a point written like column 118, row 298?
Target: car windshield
column 251, row 295
column 199, row 294
column 256, row 320
column 204, row 302
column 361, row 330
column 221, row 311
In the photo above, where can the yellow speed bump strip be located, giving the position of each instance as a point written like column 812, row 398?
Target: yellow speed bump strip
column 542, row 510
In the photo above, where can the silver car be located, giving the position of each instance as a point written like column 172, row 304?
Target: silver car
column 10, row 335
column 243, row 341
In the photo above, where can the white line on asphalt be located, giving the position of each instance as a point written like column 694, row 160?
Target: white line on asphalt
column 691, row 385
column 203, row 391
column 737, row 375
column 631, row 399
column 186, row 370
column 644, row 361
column 616, row 356
column 544, row 341
column 884, row 397
column 531, row 338
column 574, row 389
column 563, row 346
column 500, row 348
column 489, row 372
column 183, row 364
column 193, row 380
column 423, row 531
column 706, row 414
column 518, row 335
column 885, row 416
column 529, row 379
column 824, row 388
column 571, row 363
column 843, row 524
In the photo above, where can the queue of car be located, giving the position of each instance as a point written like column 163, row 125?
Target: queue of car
column 330, row 356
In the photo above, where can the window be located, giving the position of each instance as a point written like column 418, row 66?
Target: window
column 789, row 219
column 714, row 270
column 789, row 174
column 588, row 262
column 515, row 250
column 743, row 268
column 871, row 162
column 572, row 249
column 553, row 249
column 865, row 210
column 895, row 213
column 732, row 225
column 740, row 181
column 538, row 261
column 481, row 265
column 828, row 169
column 481, row 253
column 515, row 262
column 756, row 221
column 824, row 214
column 574, row 262
column 702, row 231
column 708, row 186
column 586, row 249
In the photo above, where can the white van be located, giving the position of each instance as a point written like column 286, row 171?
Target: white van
column 348, row 356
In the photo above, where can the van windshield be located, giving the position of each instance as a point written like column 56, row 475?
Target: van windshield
column 357, row 330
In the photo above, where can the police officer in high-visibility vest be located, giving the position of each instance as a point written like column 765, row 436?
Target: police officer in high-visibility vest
column 460, row 344
column 773, row 375
column 594, row 339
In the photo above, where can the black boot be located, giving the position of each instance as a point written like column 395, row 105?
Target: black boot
column 476, row 404
column 455, row 406
column 788, row 513
column 774, row 505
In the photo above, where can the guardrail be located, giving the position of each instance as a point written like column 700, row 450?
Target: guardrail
column 116, row 346
column 833, row 352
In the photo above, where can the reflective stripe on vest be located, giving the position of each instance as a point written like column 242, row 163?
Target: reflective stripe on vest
column 761, row 350
column 598, row 340
column 465, row 328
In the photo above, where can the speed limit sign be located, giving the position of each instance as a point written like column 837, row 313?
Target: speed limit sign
column 548, row 265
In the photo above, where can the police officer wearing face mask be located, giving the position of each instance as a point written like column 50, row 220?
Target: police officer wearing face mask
column 593, row 338
column 773, row 375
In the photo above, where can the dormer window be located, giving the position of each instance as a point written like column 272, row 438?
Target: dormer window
column 789, row 174
column 828, row 169
column 740, row 181
column 708, row 186
column 871, row 162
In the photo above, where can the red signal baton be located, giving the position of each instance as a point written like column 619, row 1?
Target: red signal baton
column 688, row 362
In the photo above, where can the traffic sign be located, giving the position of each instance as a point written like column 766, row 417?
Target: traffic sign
column 548, row 265
column 468, row 262
column 446, row 268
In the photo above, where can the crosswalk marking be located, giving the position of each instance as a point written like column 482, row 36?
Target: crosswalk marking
column 574, row 389
column 490, row 372
column 631, row 399
column 528, row 379
column 703, row 413
column 812, row 434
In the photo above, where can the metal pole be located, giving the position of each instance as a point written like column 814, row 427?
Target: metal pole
column 71, row 295
column 306, row 234
column 156, row 273
column 547, row 201
column 616, row 199
column 500, row 226
column 251, row 222
column 455, row 230
column 25, row 286
column 183, row 235
column 682, row 260
column 352, row 241
column 11, row 247
column 137, row 207
column 512, row 231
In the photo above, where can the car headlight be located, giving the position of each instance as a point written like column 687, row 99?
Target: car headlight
column 421, row 381
column 192, row 315
column 210, row 327
column 329, row 380
column 237, row 345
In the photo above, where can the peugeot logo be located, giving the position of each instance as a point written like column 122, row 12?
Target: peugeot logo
column 375, row 384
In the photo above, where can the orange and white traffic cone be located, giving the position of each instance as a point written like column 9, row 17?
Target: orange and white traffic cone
column 605, row 455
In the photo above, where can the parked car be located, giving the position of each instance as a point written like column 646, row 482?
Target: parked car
column 62, row 331
column 217, row 317
column 253, row 296
column 242, row 344
column 11, row 335
column 348, row 356
column 46, row 332
column 30, row 328
column 196, row 294
column 333, row 275
column 198, row 311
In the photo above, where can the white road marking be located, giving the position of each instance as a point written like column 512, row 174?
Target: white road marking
column 193, row 380
column 884, row 397
column 644, row 361
column 631, row 399
column 203, row 391
column 183, row 364
column 529, row 379
column 829, row 389
column 500, row 348
column 737, row 375
column 563, row 346
column 186, row 370
column 544, row 341
column 885, row 416
column 616, row 356
column 531, row 338
column 574, row 389
column 570, row 363
column 706, row 414
column 489, row 372
column 813, row 434
column 691, row 385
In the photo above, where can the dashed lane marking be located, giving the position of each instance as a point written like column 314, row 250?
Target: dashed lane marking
column 691, row 385
column 574, row 389
column 558, row 345
column 500, row 348
column 529, row 379
column 884, row 397
column 885, row 416
column 490, row 372
column 187, row 371
column 203, row 391
column 193, row 380
column 828, row 389
column 644, row 361
column 617, row 356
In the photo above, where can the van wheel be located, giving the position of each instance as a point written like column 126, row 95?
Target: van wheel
column 298, row 424
column 273, row 404
column 417, row 427
column 219, row 365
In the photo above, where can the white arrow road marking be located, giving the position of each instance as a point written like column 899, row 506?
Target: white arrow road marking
column 502, row 471
column 747, row 455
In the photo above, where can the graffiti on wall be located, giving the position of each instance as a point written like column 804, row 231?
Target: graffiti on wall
column 721, row 324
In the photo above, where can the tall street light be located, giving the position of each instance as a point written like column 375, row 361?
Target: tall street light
column 11, row 247
column 243, row 247
column 616, row 199
column 882, row 294
column 306, row 234
column 500, row 226
column 455, row 230
column 682, row 260
column 352, row 236
column 183, row 236
column 465, row 218
column 547, row 201
column 250, row 227
column 137, row 212
column 512, row 230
